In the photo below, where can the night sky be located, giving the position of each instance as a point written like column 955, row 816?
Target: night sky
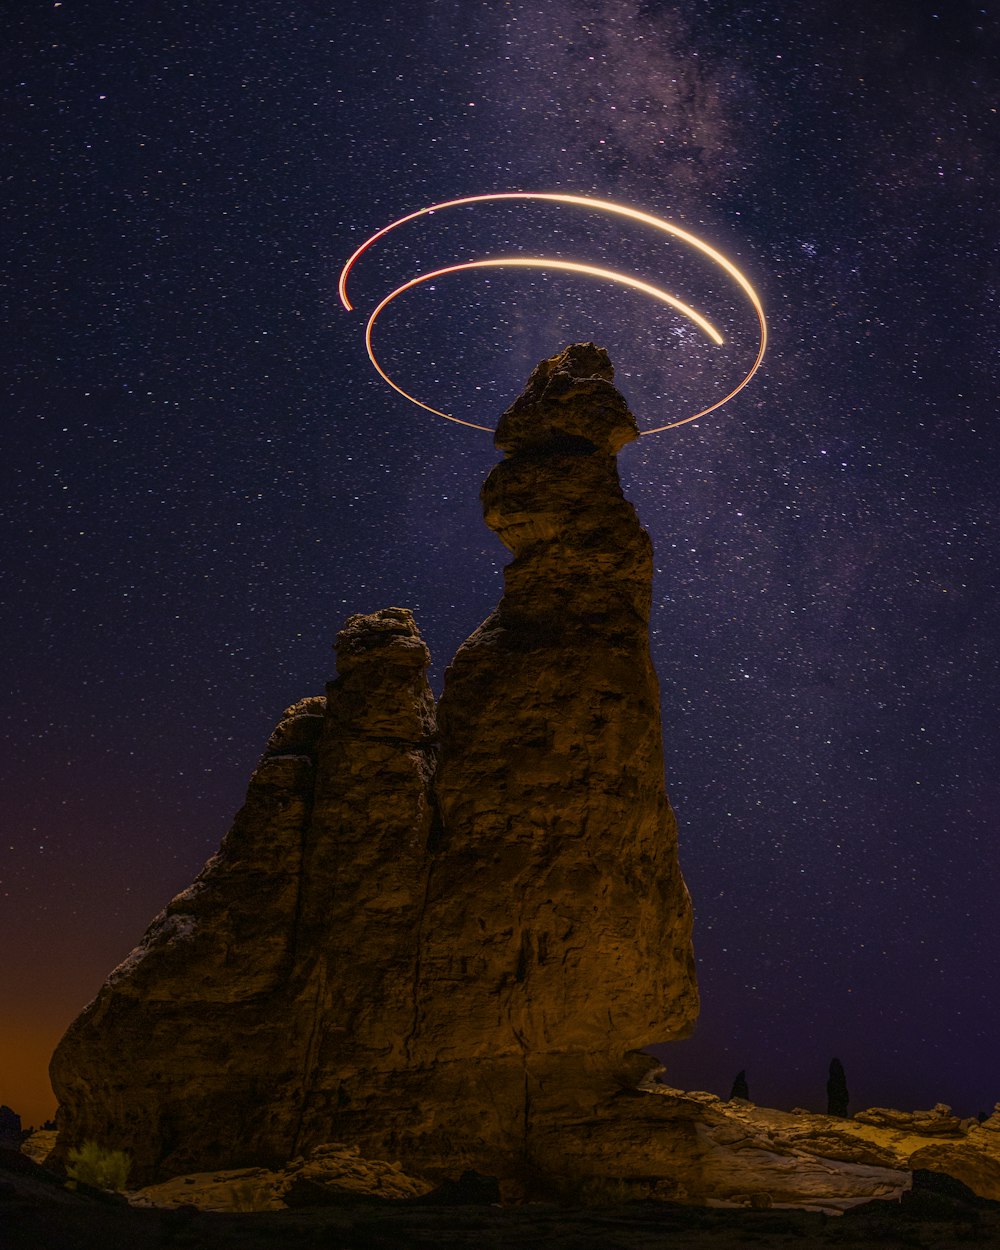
column 202, row 476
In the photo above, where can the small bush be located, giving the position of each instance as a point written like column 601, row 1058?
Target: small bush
column 93, row 1165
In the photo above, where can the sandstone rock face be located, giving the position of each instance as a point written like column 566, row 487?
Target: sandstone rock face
column 550, row 780
column 556, row 914
column 693, row 1148
column 659, row 1142
column 431, row 941
column 337, row 1169
column 209, row 1045
column 364, row 874
column 938, row 1122
column 736, row 1149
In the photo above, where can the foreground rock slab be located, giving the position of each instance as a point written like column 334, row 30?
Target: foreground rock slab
column 36, row 1212
column 331, row 1173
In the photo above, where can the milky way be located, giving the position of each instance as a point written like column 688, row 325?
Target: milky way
column 202, row 476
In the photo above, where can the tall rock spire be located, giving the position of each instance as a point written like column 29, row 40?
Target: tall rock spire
column 556, row 893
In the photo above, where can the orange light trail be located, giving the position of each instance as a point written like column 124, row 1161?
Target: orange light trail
column 607, row 206
column 524, row 262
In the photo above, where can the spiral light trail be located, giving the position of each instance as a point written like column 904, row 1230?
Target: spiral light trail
column 524, row 262
column 607, row 206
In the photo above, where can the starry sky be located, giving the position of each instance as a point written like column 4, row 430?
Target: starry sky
column 202, row 476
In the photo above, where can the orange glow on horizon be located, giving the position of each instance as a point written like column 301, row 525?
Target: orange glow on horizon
column 25, row 1047
column 607, row 206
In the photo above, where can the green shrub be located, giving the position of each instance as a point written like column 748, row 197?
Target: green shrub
column 93, row 1165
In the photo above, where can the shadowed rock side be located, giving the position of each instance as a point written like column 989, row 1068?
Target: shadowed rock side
column 364, row 877
column 186, row 1048
column 430, row 965
column 288, row 966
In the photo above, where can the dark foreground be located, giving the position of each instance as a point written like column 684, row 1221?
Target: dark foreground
column 37, row 1213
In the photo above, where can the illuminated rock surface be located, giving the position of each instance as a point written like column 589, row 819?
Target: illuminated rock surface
column 385, row 954
column 820, row 1162
column 556, row 882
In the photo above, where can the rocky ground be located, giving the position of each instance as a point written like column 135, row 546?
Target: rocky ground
column 827, row 1163
column 337, row 1199
column 37, row 1212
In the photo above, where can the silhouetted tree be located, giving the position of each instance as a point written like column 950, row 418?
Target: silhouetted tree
column 740, row 1088
column 10, row 1127
column 837, row 1096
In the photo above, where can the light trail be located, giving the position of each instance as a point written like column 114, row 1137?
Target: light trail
column 524, row 262
column 606, row 206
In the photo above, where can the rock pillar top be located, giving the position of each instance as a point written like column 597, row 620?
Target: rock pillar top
column 569, row 397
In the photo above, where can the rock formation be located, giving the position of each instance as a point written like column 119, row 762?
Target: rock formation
column 212, row 1042
column 556, row 917
column 675, row 1145
column 430, row 942
column 434, row 946
column 797, row 1157
column 556, row 878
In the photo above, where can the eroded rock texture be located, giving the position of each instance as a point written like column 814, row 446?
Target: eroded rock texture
column 288, row 966
column 435, row 943
column 556, row 913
